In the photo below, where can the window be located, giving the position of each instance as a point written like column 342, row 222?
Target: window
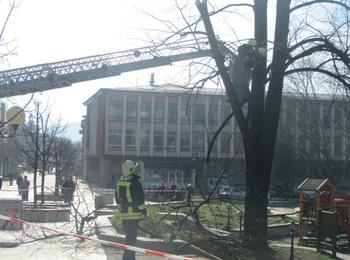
column 226, row 111
column 171, row 141
column 131, row 111
column 145, row 114
column 213, row 113
column 347, row 120
column 199, row 114
column 172, row 113
column 144, row 140
column 198, row 142
column 114, row 139
column 185, row 142
column 158, row 140
column 303, row 120
column 326, row 120
column 130, row 140
column 226, row 139
column 115, row 110
column 338, row 119
column 87, row 125
column 159, row 112
column 185, row 113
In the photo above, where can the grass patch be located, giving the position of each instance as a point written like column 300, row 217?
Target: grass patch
column 213, row 215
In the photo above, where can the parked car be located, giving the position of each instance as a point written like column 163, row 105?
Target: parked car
column 343, row 190
column 281, row 192
column 212, row 182
column 231, row 193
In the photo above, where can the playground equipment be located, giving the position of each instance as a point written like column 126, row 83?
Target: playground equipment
column 324, row 219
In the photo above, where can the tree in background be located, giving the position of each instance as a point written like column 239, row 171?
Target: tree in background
column 318, row 123
column 65, row 159
column 36, row 145
column 6, row 45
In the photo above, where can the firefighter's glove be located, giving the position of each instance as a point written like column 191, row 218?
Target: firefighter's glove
column 144, row 212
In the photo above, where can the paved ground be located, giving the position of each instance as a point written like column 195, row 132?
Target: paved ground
column 33, row 243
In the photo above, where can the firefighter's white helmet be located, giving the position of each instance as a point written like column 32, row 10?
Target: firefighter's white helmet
column 129, row 167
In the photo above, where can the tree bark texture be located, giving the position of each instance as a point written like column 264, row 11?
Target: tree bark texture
column 263, row 121
column 259, row 128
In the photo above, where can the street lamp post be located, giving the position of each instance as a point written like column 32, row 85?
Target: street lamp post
column 15, row 116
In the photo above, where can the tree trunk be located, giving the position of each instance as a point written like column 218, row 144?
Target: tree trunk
column 255, row 214
column 57, row 183
column 264, row 122
column 42, row 188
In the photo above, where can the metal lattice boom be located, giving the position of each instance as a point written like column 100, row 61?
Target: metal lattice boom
column 60, row 74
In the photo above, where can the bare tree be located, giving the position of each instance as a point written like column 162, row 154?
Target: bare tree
column 5, row 45
column 36, row 144
column 319, row 126
column 258, row 74
column 65, row 159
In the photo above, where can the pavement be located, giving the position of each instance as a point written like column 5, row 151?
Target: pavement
column 34, row 243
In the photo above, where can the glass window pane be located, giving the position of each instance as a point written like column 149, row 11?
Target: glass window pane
column 131, row 111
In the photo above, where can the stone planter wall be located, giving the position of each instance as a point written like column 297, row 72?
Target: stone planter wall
column 52, row 214
column 50, row 197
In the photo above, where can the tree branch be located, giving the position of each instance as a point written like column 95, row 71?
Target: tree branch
column 318, row 2
column 326, row 72
column 219, row 60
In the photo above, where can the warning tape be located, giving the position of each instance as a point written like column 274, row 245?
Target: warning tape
column 95, row 190
column 100, row 241
column 164, row 190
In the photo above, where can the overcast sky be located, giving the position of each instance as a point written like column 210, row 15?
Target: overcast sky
column 52, row 30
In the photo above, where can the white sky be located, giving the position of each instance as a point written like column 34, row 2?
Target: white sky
column 51, row 30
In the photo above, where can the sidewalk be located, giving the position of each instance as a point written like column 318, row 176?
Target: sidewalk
column 33, row 243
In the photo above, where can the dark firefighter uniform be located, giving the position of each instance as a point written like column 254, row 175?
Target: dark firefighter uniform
column 130, row 196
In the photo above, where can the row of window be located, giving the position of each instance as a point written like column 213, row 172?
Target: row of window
column 314, row 116
column 159, row 144
column 115, row 112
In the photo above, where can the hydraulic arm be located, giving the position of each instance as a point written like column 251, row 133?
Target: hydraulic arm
column 60, row 74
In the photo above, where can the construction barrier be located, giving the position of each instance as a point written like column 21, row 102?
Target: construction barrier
column 99, row 241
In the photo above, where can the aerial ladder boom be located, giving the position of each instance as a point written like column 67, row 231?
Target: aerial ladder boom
column 60, row 74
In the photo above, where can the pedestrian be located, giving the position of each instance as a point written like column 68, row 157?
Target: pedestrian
column 190, row 192
column 162, row 194
column 11, row 179
column 173, row 188
column 19, row 182
column 130, row 196
column 24, row 187
column 0, row 182
column 68, row 188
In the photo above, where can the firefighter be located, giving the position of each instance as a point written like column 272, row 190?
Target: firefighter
column 129, row 194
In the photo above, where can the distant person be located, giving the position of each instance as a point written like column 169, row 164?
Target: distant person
column 19, row 182
column 173, row 188
column 162, row 194
column 68, row 189
column 24, row 187
column 190, row 192
column 0, row 182
column 11, row 179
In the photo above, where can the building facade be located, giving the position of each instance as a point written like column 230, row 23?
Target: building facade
column 169, row 132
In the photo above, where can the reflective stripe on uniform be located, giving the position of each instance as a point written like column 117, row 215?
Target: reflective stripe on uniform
column 125, row 184
column 130, row 214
